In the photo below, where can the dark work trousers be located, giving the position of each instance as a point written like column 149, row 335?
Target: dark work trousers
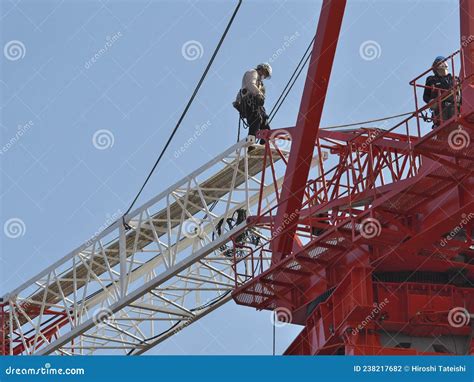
column 447, row 111
column 254, row 114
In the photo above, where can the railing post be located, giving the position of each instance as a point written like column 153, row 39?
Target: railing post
column 3, row 328
column 416, row 110
column 466, row 10
column 123, row 260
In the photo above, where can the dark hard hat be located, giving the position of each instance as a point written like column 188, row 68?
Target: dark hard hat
column 438, row 59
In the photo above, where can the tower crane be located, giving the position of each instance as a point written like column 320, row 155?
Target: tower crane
column 362, row 236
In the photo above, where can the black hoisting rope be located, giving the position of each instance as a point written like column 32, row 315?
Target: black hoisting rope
column 203, row 76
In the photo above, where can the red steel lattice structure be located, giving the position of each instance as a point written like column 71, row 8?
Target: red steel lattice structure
column 375, row 256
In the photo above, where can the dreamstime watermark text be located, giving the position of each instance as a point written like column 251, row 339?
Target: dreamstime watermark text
column 47, row 369
column 109, row 42
column 198, row 131
column 22, row 130
column 378, row 306
column 288, row 41
column 466, row 218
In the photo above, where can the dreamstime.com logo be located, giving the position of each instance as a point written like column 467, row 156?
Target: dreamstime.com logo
column 459, row 317
column 370, row 50
column 103, row 139
column 102, row 315
column 192, row 228
column 281, row 317
column 192, row 50
column 14, row 228
column 44, row 370
column 459, row 139
column 370, row 228
column 14, row 50
column 281, row 139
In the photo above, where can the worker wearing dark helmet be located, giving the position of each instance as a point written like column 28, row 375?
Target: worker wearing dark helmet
column 436, row 85
column 251, row 99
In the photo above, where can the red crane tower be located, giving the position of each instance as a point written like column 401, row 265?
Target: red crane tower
column 375, row 256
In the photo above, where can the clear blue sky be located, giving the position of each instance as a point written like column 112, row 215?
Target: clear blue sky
column 61, row 188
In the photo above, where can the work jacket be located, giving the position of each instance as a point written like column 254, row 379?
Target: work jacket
column 252, row 84
column 439, row 82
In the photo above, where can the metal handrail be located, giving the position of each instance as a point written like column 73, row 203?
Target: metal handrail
column 410, row 139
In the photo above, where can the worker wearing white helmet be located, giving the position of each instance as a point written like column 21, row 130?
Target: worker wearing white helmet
column 251, row 99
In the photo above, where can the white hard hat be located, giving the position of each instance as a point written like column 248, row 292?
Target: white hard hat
column 266, row 66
